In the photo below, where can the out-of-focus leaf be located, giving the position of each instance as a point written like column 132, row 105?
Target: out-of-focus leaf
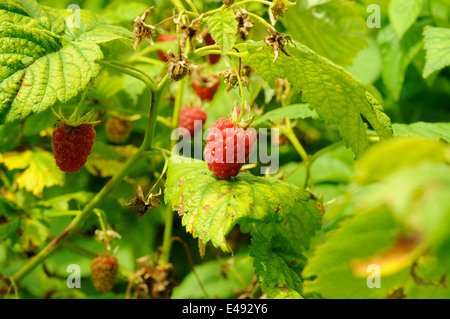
column 437, row 47
column 421, row 129
column 39, row 166
column 334, row 30
column 219, row 280
column 397, row 55
column 403, row 14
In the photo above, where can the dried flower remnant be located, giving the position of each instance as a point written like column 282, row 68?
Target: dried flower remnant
column 190, row 31
column 278, row 8
column 141, row 30
column 179, row 66
column 142, row 204
column 277, row 41
column 244, row 23
column 231, row 78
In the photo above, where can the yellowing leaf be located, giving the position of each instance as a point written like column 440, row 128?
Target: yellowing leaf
column 402, row 254
column 39, row 169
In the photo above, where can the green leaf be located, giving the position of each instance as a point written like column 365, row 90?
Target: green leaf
column 333, row 262
column 367, row 64
column 421, row 129
column 46, row 60
column 403, row 14
column 334, row 30
column 277, row 268
column 398, row 153
column 221, row 279
column 294, row 111
column 397, row 55
column 39, row 166
column 331, row 91
column 223, row 28
column 211, row 207
column 437, row 47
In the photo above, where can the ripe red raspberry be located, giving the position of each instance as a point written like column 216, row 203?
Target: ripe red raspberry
column 72, row 146
column 206, row 86
column 118, row 130
column 104, row 271
column 164, row 38
column 228, row 147
column 213, row 58
column 188, row 116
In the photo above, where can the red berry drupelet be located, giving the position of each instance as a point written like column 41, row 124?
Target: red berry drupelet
column 225, row 162
column 104, row 271
column 188, row 116
column 72, row 146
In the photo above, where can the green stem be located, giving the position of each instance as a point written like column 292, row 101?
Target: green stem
column 230, row 53
column 264, row 22
column 289, row 132
column 258, row 1
column 168, row 221
column 131, row 71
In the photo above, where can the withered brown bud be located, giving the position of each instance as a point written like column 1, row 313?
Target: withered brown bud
column 179, row 66
column 278, row 8
column 244, row 23
column 142, row 204
column 228, row 2
column 230, row 77
column 141, row 30
column 191, row 31
column 277, row 41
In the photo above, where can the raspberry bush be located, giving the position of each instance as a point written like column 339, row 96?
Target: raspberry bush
column 317, row 164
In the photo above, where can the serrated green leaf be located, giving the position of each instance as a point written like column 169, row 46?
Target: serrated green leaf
column 422, row 129
column 397, row 55
column 334, row 30
column 44, row 61
column 331, row 91
column 294, row 111
column 278, row 270
column 403, row 14
column 210, row 207
column 437, row 47
column 223, row 28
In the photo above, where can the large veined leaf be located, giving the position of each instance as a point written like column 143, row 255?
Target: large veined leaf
column 418, row 129
column 403, row 13
column 397, row 55
column 223, row 28
column 335, row 30
column 278, row 269
column 211, row 207
column 437, row 47
column 46, row 55
column 277, row 250
column 331, row 91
